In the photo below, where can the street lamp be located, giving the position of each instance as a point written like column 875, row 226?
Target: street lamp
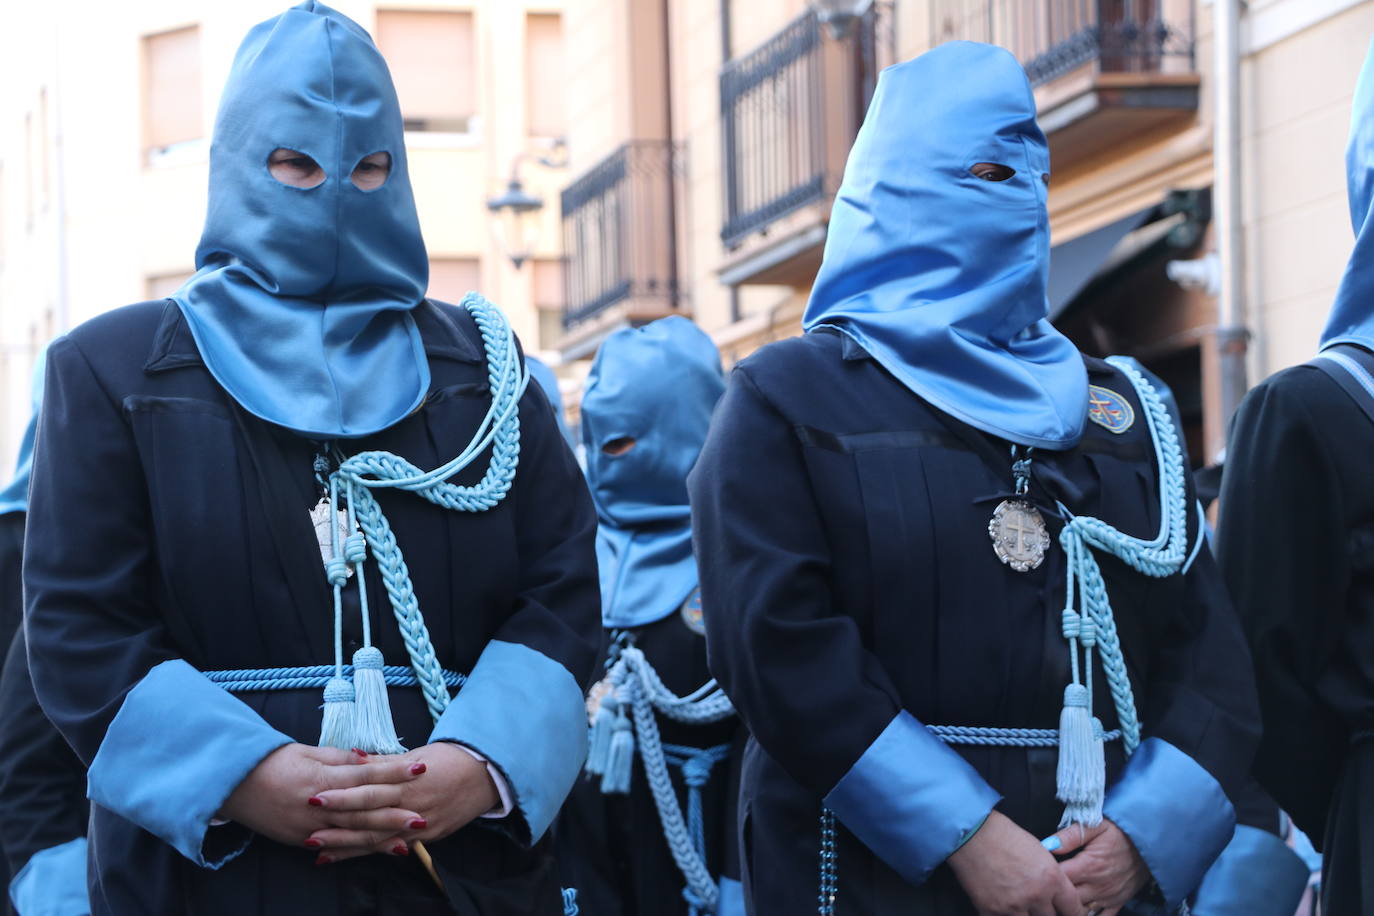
column 517, row 218
column 839, row 16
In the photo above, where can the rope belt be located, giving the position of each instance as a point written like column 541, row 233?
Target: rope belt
column 241, row 680
column 1006, row 737
column 627, row 714
column 696, row 765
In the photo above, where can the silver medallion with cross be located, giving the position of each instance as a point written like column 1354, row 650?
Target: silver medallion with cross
column 1018, row 532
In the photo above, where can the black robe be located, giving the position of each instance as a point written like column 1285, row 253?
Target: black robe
column 611, row 847
column 842, row 533
column 1296, row 542
column 167, row 523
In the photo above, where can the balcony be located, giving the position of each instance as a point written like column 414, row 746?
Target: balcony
column 1104, row 71
column 789, row 112
column 620, row 245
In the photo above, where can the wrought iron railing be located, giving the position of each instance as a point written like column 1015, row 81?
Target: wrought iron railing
column 1055, row 37
column 619, row 231
column 782, row 107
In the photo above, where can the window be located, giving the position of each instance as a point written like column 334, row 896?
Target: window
column 547, row 291
column 451, row 278
column 171, row 89
column 545, row 107
column 160, row 286
column 432, row 58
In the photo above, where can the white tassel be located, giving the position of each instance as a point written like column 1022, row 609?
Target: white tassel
column 1082, row 773
column 373, row 730
column 620, row 758
column 336, row 726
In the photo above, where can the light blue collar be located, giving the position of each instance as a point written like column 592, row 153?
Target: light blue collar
column 301, row 304
column 1352, row 314
column 15, row 496
column 941, row 275
column 657, row 384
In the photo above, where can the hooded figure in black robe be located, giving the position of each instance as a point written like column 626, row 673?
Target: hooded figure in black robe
column 299, row 482
column 43, row 808
column 930, row 531
column 633, row 842
column 1296, row 541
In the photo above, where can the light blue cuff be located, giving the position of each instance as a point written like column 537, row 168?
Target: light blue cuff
column 1257, row 875
column 524, row 712
column 731, row 900
column 911, row 799
column 53, row 882
column 176, row 750
column 1175, row 813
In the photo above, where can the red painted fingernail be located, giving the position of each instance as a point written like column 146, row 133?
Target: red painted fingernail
column 400, row 849
column 323, row 859
column 360, row 753
column 313, row 843
column 417, row 768
column 316, row 801
column 418, row 823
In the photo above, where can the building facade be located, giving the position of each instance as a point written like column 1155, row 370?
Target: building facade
column 104, row 141
column 750, row 106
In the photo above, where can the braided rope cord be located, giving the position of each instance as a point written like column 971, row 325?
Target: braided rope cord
column 359, row 475
column 1094, row 624
column 638, row 684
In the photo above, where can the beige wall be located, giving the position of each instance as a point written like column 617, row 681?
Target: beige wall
column 1297, row 94
column 128, row 222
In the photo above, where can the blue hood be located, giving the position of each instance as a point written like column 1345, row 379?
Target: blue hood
column 301, row 304
column 940, row 275
column 15, row 497
column 1352, row 315
column 657, row 384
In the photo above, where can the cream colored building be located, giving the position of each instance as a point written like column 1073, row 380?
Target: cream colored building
column 748, row 106
column 104, row 126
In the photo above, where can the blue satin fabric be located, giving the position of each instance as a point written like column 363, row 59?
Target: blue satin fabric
column 1352, row 314
column 301, row 304
column 1176, row 814
column 53, row 882
column 548, row 383
column 1256, row 875
column 940, row 275
column 525, row 713
column 175, row 751
column 911, row 799
column 15, row 496
column 659, row 385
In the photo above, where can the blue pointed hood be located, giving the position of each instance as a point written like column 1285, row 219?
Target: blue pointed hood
column 1352, row 314
column 301, row 304
column 941, row 275
column 15, row 496
column 657, row 384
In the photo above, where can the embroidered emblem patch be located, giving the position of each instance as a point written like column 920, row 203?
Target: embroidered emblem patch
column 1109, row 410
column 692, row 614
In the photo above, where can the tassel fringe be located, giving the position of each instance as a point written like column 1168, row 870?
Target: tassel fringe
column 336, row 727
column 620, row 758
column 373, row 730
column 1082, row 772
column 603, row 727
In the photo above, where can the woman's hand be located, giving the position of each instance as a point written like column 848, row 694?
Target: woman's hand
column 1107, row 871
column 452, row 789
column 1006, row 872
column 280, row 797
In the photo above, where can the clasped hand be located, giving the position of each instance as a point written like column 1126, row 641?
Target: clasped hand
column 1007, row 872
column 345, row 804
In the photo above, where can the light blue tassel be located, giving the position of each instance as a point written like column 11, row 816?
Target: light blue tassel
column 620, row 759
column 373, row 730
column 336, row 728
column 1082, row 774
column 599, row 742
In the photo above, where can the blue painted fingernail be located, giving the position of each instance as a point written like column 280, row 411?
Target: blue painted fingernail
column 1051, row 843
